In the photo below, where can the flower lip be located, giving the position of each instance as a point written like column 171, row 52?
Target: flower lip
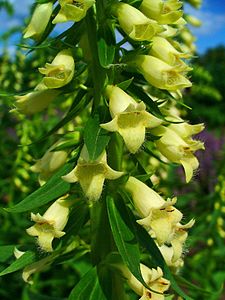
column 128, row 115
column 51, row 224
column 91, row 175
column 60, row 72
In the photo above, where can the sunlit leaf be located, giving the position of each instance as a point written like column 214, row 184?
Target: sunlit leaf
column 95, row 138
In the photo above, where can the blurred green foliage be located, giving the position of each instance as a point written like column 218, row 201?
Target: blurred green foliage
column 208, row 92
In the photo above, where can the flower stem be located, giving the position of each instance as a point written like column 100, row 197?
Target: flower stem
column 97, row 72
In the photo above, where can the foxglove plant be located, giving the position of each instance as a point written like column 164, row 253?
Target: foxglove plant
column 101, row 176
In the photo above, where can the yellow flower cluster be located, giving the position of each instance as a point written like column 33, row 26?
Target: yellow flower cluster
column 161, row 219
column 163, row 66
column 60, row 71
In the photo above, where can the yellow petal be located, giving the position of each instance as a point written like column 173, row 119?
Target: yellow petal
column 71, row 176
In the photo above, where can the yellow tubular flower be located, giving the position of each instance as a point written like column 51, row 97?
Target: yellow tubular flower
column 129, row 118
column 154, row 280
column 50, row 162
column 91, row 174
column 195, row 3
column 39, row 21
column 186, row 130
column 60, row 72
column 134, row 23
column 168, row 32
column 164, row 12
column 173, row 253
column 51, row 224
column 160, row 74
column 179, row 148
column 72, row 10
column 159, row 217
column 187, row 36
column 35, row 101
column 168, row 254
column 163, row 49
column 145, row 199
column 193, row 20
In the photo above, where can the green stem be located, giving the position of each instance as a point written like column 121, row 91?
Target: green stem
column 102, row 240
column 97, row 72
column 100, row 232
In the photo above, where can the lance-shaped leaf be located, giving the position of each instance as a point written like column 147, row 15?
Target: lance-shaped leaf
column 124, row 237
column 53, row 189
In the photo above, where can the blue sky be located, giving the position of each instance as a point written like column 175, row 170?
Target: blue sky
column 211, row 34
column 212, row 31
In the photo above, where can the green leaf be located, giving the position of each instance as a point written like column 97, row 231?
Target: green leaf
column 191, row 286
column 125, row 238
column 7, row 6
column 78, row 104
column 77, row 219
column 106, row 53
column 51, row 190
column 95, row 138
column 125, row 84
column 88, row 287
column 43, row 1
column 66, row 145
column 24, row 260
column 6, row 252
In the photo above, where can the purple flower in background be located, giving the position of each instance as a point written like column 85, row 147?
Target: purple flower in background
column 209, row 161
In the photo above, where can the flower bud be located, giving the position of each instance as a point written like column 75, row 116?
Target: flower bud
column 91, row 174
column 51, row 224
column 187, row 37
column 164, row 12
column 35, row 101
column 72, row 10
column 50, row 162
column 134, row 23
column 39, row 21
column 60, row 72
column 193, row 21
column 163, row 49
column 130, row 118
column 160, row 74
column 195, row 3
